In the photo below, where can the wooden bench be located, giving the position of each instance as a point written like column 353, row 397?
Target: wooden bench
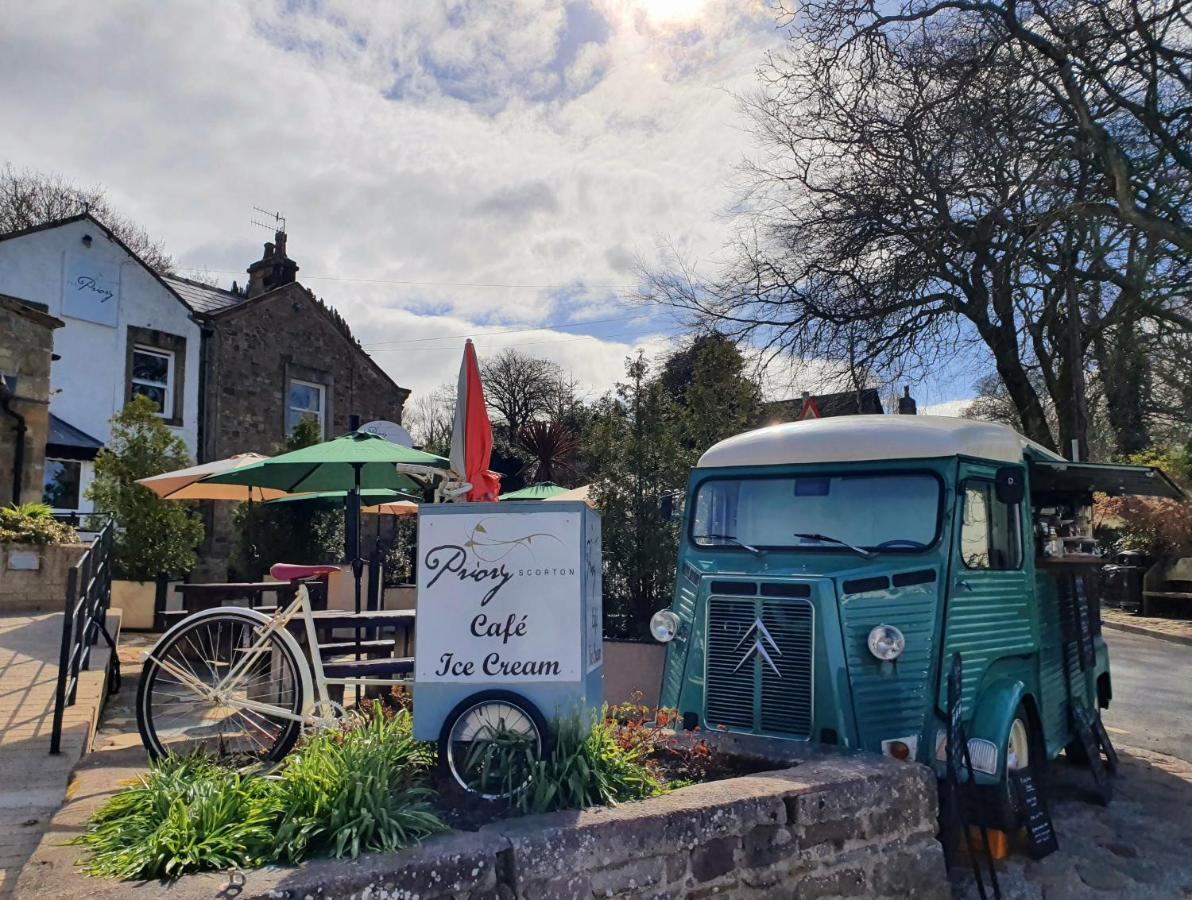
column 1169, row 579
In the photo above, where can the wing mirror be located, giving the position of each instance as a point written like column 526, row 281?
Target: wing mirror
column 1009, row 485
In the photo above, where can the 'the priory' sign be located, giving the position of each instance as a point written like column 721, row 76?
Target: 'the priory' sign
column 91, row 289
column 499, row 597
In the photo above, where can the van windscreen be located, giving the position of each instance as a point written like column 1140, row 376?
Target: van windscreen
column 878, row 512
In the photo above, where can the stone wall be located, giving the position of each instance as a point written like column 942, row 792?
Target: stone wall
column 26, row 348
column 33, row 577
column 857, row 826
column 253, row 350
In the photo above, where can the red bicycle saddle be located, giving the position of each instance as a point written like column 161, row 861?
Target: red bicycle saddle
column 291, row 572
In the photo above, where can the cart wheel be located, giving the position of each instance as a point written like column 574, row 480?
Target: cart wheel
column 490, row 742
column 178, row 711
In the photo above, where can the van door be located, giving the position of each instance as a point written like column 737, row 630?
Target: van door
column 989, row 614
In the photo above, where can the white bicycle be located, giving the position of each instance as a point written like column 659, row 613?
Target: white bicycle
column 235, row 682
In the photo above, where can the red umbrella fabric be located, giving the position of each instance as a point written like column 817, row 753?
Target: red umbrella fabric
column 472, row 433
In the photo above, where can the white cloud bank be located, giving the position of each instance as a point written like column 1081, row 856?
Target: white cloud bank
column 421, row 152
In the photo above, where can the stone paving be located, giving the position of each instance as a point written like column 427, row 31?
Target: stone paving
column 1167, row 629
column 1140, row 846
column 35, row 782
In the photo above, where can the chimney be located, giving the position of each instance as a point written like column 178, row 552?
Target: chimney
column 906, row 403
column 273, row 269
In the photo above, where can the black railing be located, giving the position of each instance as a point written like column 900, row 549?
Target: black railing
column 88, row 595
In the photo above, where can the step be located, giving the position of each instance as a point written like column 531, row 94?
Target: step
column 369, row 668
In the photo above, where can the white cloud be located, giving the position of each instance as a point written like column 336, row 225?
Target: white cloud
column 525, row 143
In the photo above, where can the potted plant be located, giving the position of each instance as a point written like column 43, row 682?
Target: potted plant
column 154, row 537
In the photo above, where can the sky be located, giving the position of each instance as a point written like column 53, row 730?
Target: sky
column 499, row 169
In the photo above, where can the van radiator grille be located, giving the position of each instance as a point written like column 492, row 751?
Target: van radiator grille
column 753, row 696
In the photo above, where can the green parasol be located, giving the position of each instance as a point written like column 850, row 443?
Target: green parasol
column 538, row 491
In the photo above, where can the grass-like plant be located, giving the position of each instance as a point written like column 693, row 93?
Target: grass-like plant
column 587, row 767
column 342, row 793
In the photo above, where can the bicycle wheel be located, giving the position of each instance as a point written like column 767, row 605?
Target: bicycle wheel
column 183, row 706
column 489, row 742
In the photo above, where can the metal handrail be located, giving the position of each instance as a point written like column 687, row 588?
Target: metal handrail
column 88, row 596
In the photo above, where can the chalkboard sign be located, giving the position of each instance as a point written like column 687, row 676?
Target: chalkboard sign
column 1088, row 654
column 1040, row 831
column 955, row 714
column 1083, row 719
column 1111, row 757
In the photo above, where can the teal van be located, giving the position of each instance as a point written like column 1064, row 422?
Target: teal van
column 829, row 569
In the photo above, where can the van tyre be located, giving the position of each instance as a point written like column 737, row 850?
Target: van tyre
column 1022, row 750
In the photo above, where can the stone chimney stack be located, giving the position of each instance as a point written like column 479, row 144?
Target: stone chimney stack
column 273, row 269
column 906, row 403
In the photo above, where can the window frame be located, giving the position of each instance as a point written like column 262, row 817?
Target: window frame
column 167, row 410
column 321, row 389
column 1015, row 517
column 78, row 486
column 693, row 504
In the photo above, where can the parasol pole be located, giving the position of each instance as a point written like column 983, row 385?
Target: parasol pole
column 352, row 533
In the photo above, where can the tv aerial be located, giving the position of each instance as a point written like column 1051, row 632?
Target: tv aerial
column 278, row 224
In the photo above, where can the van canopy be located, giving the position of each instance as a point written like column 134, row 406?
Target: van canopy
column 1085, row 478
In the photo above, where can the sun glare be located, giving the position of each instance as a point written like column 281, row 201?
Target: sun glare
column 672, row 11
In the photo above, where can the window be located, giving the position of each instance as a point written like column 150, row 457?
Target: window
column 991, row 531
column 884, row 512
column 305, row 401
column 61, row 483
column 153, row 377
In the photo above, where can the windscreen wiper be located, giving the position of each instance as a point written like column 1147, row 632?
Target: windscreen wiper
column 831, row 540
column 735, row 540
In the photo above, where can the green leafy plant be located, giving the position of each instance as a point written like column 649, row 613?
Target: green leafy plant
column 586, row 768
column 342, row 793
column 155, row 536
column 33, row 523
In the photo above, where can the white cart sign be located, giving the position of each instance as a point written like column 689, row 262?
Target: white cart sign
column 499, row 598
column 91, row 289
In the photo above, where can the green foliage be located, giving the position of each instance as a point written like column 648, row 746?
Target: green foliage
column 155, row 536
column 587, row 768
column 33, row 523
column 641, row 443
column 347, row 792
column 306, row 533
column 343, row 793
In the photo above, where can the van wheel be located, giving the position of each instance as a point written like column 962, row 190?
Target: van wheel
column 1021, row 752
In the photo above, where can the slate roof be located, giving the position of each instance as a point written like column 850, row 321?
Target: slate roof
column 202, row 298
column 65, row 437
column 845, row 403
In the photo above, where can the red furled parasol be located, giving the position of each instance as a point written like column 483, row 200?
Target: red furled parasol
column 471, row 433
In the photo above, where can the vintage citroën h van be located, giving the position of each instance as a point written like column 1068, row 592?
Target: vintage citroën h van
column 829, row 570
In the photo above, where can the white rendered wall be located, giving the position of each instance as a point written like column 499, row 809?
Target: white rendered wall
column 87, row 383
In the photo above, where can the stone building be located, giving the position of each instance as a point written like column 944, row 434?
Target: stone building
column 275, row 354
column 26, row 351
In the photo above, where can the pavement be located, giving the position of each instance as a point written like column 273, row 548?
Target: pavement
column 35, row 782
column 1165, row 628
column 1140, row 846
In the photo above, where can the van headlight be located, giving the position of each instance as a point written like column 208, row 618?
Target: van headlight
column 886, row 643
column 664, row 625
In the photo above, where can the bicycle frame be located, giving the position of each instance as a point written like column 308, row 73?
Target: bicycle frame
column 278, row 623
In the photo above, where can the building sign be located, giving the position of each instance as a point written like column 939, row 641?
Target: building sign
column 91, row 290
column 500, row 597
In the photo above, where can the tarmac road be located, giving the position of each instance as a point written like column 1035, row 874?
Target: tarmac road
column 1152, row 694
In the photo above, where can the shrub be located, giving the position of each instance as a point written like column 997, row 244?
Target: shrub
column 342, row 793
column 33, row 523
column 156, row 537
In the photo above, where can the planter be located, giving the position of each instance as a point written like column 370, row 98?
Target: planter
column 135, row 599
column 33, row 576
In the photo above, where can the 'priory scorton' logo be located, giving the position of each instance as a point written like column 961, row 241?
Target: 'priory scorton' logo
column 481, row 559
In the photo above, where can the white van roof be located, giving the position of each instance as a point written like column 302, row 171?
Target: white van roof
column 871, row 437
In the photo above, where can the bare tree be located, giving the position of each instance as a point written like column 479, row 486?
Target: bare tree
column 1118, row 74
column 519, row 387
column 29, row 198
column 431, row 417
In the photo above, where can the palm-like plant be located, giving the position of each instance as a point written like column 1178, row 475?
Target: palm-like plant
column 552, row 448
